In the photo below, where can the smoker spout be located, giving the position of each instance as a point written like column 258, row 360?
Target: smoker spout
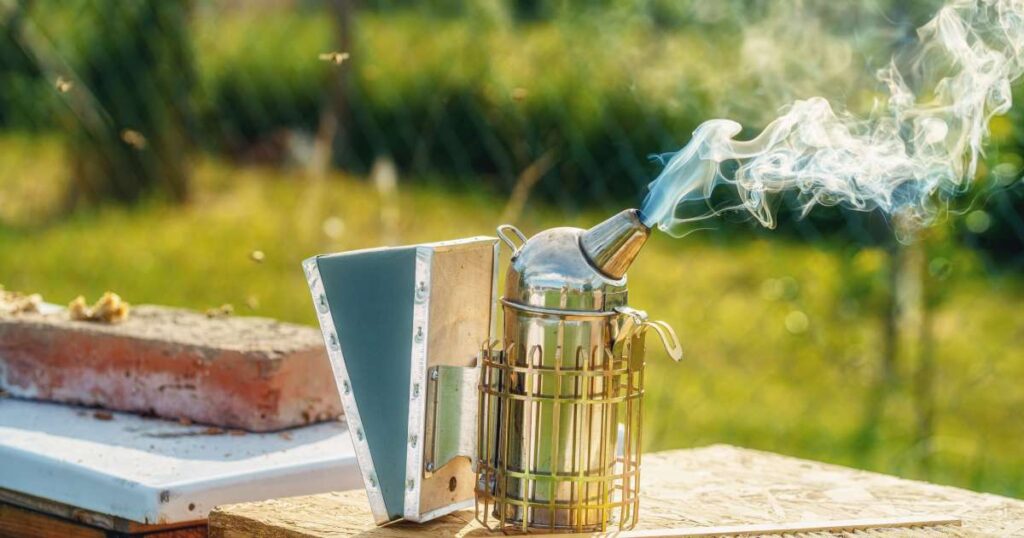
column 612, row 245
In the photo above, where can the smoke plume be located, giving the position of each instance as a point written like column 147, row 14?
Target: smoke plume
column 925, row 140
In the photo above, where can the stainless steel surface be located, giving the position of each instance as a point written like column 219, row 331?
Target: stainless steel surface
column 551, row 271
column 552, row 428
column 568, row 378
column 573, row 314
column 451, row 422
column 561, row 405
column 612, row 245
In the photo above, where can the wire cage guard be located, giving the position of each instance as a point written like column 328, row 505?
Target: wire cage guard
column 560, row 413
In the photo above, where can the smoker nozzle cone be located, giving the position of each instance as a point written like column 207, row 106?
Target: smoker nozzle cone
column 612, row 245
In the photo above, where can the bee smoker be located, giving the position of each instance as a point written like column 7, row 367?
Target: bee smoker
column 540, row 431
column 560, row 403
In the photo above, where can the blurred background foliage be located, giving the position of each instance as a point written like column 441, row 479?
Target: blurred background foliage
column 150, row 149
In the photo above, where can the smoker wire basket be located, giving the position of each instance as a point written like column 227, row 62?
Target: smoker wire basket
column 600, row 390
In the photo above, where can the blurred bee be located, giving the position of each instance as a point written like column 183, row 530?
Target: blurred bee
column 337, row 58
column 133, row 138
column 63, row 85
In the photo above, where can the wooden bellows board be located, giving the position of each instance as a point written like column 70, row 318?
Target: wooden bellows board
column 403, row 328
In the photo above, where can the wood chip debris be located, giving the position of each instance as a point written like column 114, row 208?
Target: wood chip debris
column 12, row 302
column 109, row 309
column 222, row 311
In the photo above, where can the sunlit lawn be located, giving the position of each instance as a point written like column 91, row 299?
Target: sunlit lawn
column 781, row 343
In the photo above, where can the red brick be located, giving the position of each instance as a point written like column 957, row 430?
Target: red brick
column 255, row 374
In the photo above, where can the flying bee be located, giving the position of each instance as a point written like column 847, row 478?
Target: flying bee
column 63, row 85
column 337, row 58
column 133, row 138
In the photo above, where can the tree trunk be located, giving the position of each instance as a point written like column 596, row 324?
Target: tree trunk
column 332, row 132
column 886, row 375
column 138, row 74
column 924, row 397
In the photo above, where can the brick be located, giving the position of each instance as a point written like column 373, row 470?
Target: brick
column 256, row 374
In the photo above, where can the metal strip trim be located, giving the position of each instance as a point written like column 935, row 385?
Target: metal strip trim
column 559, row 312
column 417, row 382
column 327, row 328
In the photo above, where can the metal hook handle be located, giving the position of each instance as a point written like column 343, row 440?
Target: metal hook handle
column 668, row 338
column 508, row 228
column 636, row 320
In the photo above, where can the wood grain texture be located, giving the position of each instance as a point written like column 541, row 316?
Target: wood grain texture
column 62, row 511
column 18, row 510
column 18, row 522
column 704, row 487
column 460, row 321
column 460, row 303
column 834, row 526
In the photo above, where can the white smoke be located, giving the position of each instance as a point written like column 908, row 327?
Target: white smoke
column 921, row 142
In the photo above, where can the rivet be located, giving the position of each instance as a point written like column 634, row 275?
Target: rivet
column 419, row 334
column 321, row 304
column 345, row 387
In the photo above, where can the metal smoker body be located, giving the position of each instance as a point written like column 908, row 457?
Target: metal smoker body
column 560, row 406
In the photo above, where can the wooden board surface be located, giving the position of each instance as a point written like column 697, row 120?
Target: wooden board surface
column 711, row 486
column 19, row 522
column 461, row 285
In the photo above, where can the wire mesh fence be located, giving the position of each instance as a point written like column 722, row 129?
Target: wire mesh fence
column 824, row 338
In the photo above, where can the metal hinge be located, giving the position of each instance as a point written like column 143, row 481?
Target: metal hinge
column 451, row 421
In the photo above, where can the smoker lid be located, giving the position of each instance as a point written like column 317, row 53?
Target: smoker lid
column 551, row 271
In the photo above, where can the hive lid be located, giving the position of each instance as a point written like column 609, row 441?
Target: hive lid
column 403, row 328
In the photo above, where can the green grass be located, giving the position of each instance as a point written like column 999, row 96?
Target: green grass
column 746, row 379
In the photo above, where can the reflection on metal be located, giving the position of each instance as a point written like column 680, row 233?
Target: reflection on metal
column 548, row 418
column 613, row 244
column 451, row 415
column 561, row 398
